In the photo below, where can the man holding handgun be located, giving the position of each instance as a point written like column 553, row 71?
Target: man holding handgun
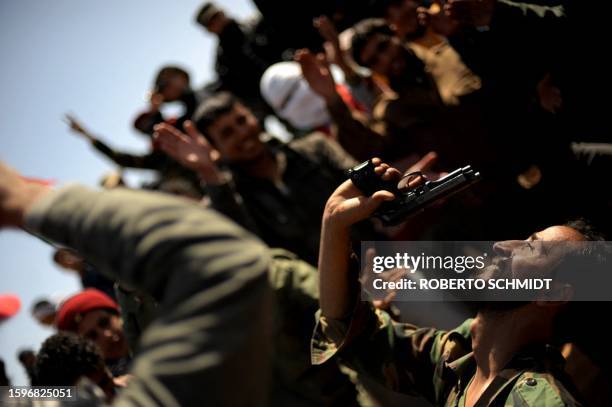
column 501, row 357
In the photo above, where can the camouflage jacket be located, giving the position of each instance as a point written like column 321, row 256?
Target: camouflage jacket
column 437, row 364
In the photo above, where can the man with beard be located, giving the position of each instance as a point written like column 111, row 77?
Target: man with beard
column 501, row 357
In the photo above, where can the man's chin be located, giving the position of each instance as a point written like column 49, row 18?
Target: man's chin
column 500, row 268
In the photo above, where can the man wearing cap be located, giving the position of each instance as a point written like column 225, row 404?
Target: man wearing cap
column 95, row 316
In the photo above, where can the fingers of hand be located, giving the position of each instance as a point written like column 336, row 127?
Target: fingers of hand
column 381, row 168
column 168, row 138
column 195, row 134
column 425, row 163
column 381, row 196
column 386, row 172
column 369, row 259
column 391, row 174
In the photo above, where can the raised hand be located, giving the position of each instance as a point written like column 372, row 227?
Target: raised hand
column 315, row 70
column 17, row 195
column 156, row 99
column 191, row 149
column 380, row 299
column 77, row 127
column 437, row 19
column 327, row 30
column 476, row 13
column 347, row 205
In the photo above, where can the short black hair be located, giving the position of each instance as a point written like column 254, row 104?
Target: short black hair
column 212, row 108
column 364, row 31
column 66, row 357
column 587, row 229
column 166, row 72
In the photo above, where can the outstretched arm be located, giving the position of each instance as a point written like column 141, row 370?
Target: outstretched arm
column 209, row 275
column 147, row 161
column 352, row 133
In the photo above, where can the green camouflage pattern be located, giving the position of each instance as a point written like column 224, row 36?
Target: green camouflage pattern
column 435, row 364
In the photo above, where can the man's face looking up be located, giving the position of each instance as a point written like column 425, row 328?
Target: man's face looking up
column 236, row 135
column 538, row 255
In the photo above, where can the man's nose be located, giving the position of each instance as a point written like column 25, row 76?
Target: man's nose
column 506, row 247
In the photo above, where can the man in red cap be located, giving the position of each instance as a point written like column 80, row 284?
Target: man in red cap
column 95, row 316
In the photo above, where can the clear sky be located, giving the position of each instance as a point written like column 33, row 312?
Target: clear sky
column 96, row 59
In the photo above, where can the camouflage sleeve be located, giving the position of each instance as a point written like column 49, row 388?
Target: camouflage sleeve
column 209, row 275
column 402, row 357
column 540, row 389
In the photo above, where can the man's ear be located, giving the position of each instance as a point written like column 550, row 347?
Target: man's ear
column 559, row 296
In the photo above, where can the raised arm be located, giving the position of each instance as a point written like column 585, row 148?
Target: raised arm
column 400, row 356
column 345, row 207
column 147, row 161
column 209, row 275
column 352, row 133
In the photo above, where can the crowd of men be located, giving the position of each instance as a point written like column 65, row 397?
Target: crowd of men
column 232, row 279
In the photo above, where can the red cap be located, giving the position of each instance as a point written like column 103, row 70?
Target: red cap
column 9, row 305
column 72, row 310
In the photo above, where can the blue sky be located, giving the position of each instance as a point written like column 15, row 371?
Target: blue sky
column 95, row 59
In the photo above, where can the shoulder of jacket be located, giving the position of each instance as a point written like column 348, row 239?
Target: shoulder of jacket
column 539, row 389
